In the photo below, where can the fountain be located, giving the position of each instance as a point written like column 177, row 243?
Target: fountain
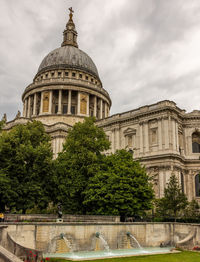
column 67, row 242
column 131, row 236
column 107, row 252
column 105, row 244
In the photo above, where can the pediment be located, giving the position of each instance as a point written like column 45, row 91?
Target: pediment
column 129, row 131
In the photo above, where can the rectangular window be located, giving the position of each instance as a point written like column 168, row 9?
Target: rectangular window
column 130, row 140
column 153, row 136
column 80, row 75
column 64, row 109
column 73, row 74
column 73, row 110
column 52, row 74
column 66, row 73
column 56, row 109
column 86, row 77
column 92, row 80
column 59, row 73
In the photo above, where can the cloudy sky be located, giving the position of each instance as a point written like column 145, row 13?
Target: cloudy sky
column 145, row 50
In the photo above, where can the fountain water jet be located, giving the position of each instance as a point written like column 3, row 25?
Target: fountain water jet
column 68, row 244
column 105, row 244
column 131, row 236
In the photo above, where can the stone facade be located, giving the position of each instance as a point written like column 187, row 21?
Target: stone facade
column 162, row 136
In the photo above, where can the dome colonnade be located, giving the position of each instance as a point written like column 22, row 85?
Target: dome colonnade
column 66, row 84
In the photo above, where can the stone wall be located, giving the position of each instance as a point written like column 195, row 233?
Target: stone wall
column 53, row 217
column 82, row 236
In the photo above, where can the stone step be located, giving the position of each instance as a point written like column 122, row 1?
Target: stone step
column 9, row 257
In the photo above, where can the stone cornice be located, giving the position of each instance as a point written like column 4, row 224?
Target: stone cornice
column 168, row 157
column 76, row 85
column 140, row 115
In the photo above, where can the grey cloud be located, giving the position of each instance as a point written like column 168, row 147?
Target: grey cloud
column 133, row 75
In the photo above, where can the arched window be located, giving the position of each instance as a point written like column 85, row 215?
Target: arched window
column 197, row 185
column 196, row 142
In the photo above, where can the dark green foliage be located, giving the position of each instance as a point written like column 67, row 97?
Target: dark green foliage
column 25, row 167
column 79, row 160
column 174, row 200
column 191, row 212
column 121, row 187
column 2, row 122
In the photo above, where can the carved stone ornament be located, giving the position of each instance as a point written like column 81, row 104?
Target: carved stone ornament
column 18, row 114
column 129, row 131
column 4, row 118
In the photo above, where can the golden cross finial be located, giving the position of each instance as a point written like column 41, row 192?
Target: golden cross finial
column 71, row 13
column 71, row 10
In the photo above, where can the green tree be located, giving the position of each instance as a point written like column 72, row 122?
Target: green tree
column 80, row 159
column 2, row 122
column 191, row 212
column 25, row 167
column 121, row 187
column 174, row 200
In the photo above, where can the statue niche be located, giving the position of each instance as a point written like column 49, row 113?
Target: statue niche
column 83, row 104
column 46, row 102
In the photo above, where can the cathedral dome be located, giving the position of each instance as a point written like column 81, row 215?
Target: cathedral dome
column 68, row 57
column 67, row 86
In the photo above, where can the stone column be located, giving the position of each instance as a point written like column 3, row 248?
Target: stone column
column 106, row 109
column 79, row 103
column 34, row 104
column 101, row 108
column 29, row 107
column 25, row 107
column 41, row 103
column 113, row 141
column 50, row 101
column 69, row 102
column 116, row 138
column 88, row 105
column 177, row 140
column 59, row 102
column 173, row 134
column 141, row 138
column 160, row 134
column 95, row 106
column 146, row 137
column 166, row 126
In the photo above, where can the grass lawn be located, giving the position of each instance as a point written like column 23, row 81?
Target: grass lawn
column 185, row 256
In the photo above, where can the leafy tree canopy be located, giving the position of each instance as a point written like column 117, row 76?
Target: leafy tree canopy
column 80, row 159
column 174, row 199
column 25, row 167
column 121, row 187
